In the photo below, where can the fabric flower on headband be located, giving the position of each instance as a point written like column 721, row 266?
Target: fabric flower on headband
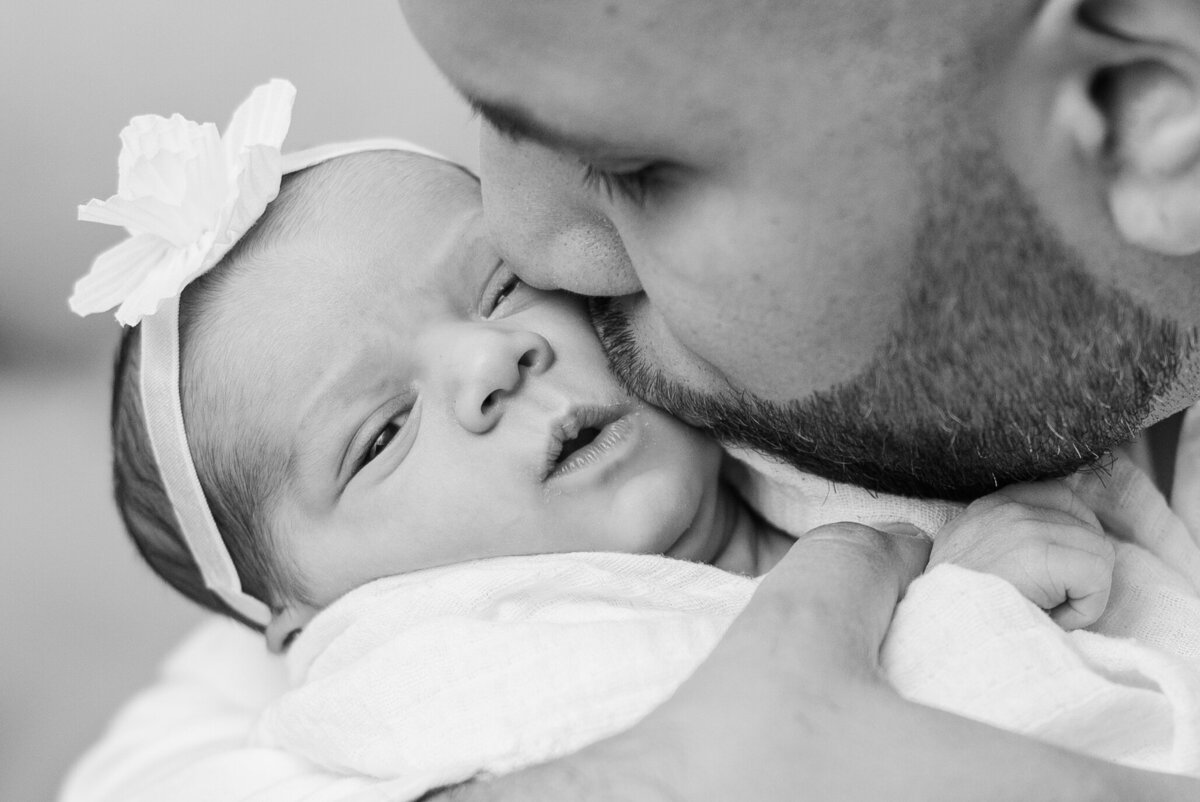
column 186, row 195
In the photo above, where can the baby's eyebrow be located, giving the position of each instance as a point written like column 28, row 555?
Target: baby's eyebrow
column 317, row 406
column 518, row 123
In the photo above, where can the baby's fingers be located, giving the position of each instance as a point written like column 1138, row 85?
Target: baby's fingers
column 1054, row 496
column 1082, row 580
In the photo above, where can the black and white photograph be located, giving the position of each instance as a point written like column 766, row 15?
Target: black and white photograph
column 651, row 400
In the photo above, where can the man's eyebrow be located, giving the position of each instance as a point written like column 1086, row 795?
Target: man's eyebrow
column 517, row 123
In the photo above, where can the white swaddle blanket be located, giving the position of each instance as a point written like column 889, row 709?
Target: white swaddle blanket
column 431, row 678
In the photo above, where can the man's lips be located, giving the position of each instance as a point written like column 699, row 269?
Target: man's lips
column 579, row 437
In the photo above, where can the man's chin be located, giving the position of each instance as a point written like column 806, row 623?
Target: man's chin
column 872, row 432
column 908, row 457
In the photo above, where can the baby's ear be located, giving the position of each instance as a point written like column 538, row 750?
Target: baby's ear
column 286, row 624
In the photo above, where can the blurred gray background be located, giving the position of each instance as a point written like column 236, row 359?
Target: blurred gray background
column 82, row 623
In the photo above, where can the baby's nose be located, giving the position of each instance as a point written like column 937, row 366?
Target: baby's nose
column 496, row 363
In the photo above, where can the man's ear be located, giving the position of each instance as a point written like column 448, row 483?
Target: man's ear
column 1125, row 93
column 286, row 624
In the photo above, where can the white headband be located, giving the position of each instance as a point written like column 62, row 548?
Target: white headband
column 186, row 195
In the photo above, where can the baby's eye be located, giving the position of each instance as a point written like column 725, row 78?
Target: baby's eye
column 505, row 294
column 384, row 438
column 506, row 289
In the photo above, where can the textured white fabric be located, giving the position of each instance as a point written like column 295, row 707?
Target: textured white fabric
column 970, row 644
column 431, row 678
column 185, row 738
column 797, row 502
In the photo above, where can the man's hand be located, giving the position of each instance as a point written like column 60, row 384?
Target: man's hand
column 790, row 706
column 1042, row 538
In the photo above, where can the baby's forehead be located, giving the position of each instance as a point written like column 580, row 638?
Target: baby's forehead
column 366, row 206
column 359, row 206
column 347, row 231
column 352, row 240
column 374, row 180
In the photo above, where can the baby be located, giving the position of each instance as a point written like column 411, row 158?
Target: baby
column 368, row 390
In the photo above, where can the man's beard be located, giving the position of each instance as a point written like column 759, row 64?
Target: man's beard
column 1010, row 363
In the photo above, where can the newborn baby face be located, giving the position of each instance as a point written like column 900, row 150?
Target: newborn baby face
column 435, row 409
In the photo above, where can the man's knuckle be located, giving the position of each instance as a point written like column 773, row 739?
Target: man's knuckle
column 857, row 540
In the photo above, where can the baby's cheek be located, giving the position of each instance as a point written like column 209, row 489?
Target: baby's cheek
column 650, row 511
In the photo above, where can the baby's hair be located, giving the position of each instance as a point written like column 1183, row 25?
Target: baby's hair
column 239, row 474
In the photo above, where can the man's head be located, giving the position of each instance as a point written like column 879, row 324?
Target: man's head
column 940, row 244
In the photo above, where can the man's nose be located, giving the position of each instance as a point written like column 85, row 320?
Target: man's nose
column 492, row 365
column 588, row 258
column 554, row 231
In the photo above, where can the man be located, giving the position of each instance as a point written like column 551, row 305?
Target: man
column 927, row 247
column 937, row 246
column 928, row 237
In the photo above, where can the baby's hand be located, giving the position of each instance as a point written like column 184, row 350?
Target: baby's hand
column 1042, row 539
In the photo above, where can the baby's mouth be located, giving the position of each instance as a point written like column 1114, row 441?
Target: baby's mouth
column 580, row 437
column 585, row 436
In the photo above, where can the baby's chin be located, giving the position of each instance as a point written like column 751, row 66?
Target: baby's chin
column 690, row 521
